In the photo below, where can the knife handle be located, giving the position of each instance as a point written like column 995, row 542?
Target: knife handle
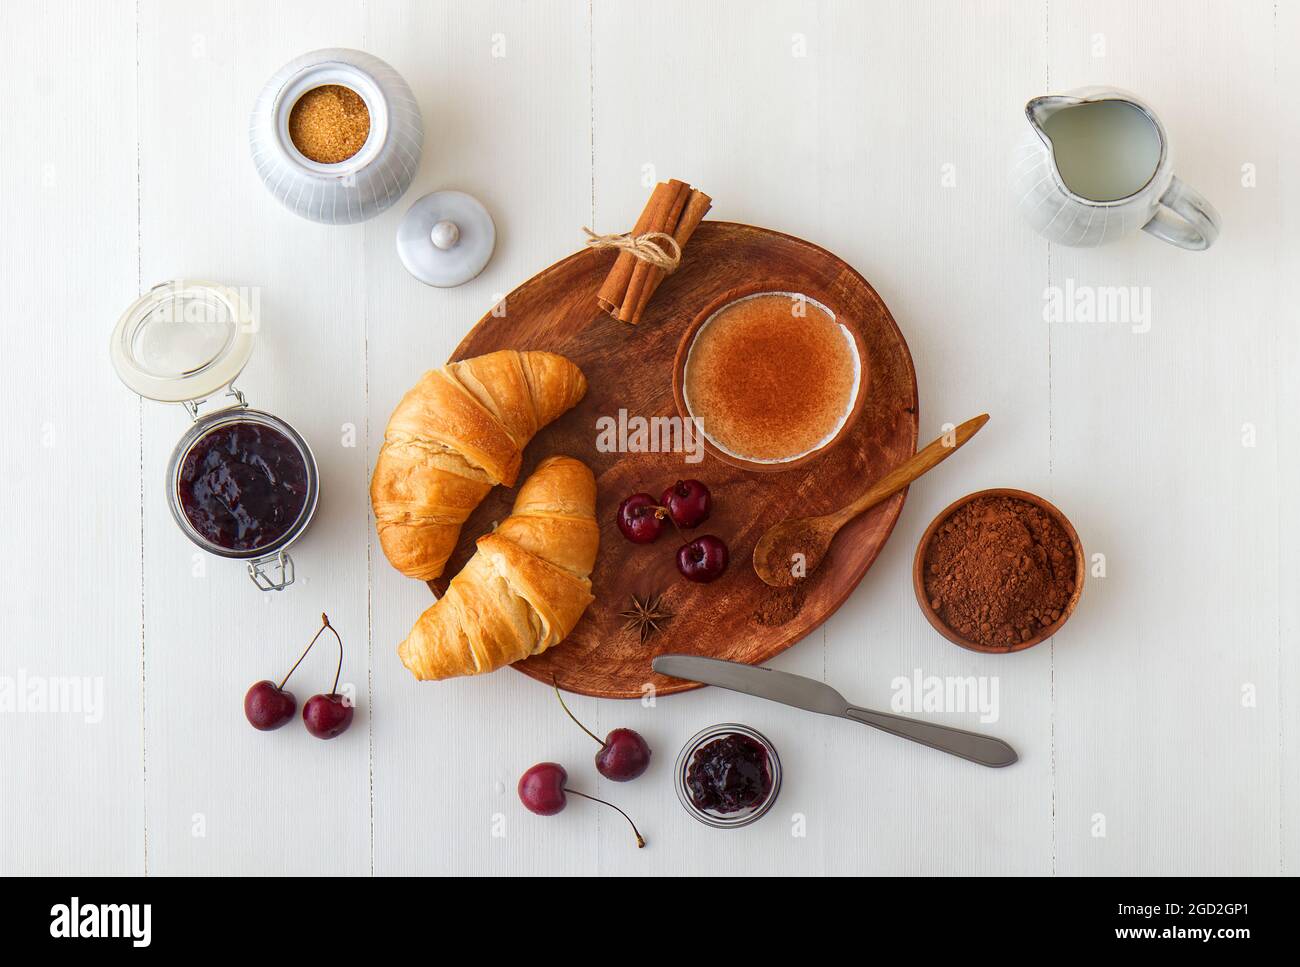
column 984, row 749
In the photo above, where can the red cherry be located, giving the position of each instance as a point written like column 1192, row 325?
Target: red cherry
column 624, row 756
column 327, row 715
column 689, row 502
column 703, row 559
column 541, row 788
column 267, row 706
column 640, row 519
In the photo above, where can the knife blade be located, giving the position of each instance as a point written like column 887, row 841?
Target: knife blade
column 768, row 683
column 815, row 696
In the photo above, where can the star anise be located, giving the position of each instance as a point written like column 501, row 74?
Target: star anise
column 645, row 616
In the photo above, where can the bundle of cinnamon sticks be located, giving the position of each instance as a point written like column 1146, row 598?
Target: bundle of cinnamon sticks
column 675, row 209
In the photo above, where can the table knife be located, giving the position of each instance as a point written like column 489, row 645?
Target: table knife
column 815, row 696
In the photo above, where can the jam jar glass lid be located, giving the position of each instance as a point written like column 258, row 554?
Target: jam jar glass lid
column 183, row 341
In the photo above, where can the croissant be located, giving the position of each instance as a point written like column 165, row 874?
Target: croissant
column 459, row 432
column 526, row 585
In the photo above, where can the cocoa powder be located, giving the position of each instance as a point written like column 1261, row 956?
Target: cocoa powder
column 999, row 570
column 780, row 607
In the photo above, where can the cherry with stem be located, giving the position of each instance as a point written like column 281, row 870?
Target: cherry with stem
column 542, row 790
column 623, row 754
column 327, row 716
column 268, row 706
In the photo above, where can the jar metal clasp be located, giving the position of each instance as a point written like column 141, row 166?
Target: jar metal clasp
column 192, row 406
column 272, row 573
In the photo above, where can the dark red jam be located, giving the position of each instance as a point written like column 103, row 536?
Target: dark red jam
column 243, row 485
column 729, row 774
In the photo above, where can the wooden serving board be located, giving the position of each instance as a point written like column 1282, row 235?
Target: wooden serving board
column 736, row 617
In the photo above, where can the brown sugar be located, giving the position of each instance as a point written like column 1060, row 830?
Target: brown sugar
column 999, row 571
column 329, row 124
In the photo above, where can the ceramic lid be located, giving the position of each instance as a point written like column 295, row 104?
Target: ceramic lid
column 446, row 238
column 183, row 341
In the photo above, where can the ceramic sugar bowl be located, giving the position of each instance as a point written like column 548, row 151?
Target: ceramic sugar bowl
column 336, row 136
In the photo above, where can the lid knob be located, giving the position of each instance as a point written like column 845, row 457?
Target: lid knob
column 445, row 234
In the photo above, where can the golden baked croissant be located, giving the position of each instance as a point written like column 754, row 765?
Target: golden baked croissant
column 526, row 585
column 459, row 432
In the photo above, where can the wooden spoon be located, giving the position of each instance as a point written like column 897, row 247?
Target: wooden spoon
column 793, row 549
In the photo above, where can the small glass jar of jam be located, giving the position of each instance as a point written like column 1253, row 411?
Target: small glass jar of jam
column 241, row 483
column 728, row 776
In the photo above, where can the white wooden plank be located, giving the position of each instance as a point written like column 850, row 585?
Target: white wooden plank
column 918, row 111
column 74, row 802
column 503, row 90
column 722, row 104
column 220, row 796
column 1150, row 455
column 1284, row 365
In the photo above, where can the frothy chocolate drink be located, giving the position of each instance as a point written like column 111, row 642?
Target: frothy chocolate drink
column 773, row 377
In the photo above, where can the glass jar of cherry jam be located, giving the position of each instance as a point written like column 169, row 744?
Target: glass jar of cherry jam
column 241, row 483
column 728, row 776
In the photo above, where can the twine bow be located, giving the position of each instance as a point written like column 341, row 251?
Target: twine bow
column 652, row 247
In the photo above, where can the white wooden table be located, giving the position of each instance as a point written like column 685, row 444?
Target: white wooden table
column 1159, row 732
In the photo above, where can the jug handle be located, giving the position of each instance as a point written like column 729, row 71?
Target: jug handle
column 1185, row 218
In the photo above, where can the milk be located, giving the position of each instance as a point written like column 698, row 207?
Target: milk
column 1104, row 150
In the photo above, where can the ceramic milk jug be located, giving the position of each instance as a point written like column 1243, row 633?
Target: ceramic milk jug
column 1095, row 164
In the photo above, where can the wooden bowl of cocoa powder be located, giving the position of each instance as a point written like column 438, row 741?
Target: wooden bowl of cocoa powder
column 998, row 571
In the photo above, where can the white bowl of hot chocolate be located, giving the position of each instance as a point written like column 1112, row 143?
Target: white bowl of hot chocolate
column 773, row 378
